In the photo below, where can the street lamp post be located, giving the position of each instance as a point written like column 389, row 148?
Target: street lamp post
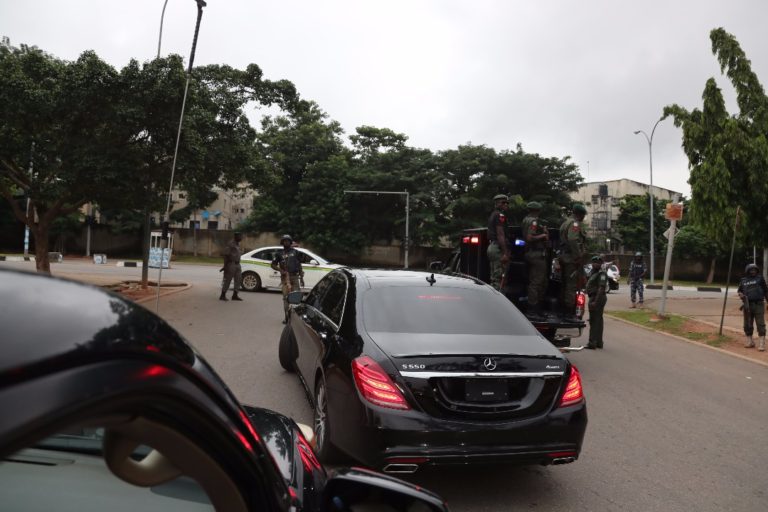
column 650, row 189
column 407, row 212
column 164, row 238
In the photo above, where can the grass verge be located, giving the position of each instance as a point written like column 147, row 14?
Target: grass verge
column 673, row 324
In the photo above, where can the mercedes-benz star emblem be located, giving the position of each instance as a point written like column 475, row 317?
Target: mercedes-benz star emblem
column 489, row 364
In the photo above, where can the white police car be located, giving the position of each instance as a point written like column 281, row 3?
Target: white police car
column 258, row 273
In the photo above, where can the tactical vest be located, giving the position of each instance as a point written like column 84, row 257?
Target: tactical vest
column 290, row 262
column 752, row 288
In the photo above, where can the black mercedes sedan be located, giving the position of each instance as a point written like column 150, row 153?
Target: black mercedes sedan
column 406, row 369
column 106, row 407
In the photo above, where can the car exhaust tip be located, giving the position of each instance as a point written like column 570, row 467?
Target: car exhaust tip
column 401, row 468
column 563, row 460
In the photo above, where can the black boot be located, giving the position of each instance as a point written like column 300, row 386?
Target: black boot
column 235, row 296
column 223, row 296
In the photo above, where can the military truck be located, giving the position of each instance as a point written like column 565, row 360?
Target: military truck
column 470, row 260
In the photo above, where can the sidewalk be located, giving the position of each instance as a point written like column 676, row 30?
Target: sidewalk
column 705, row 310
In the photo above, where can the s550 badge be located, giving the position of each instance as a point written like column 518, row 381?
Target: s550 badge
column 412, row 366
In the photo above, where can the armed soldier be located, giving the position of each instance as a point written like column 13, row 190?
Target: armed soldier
column 753, row 292
column 536, row 237
column 597, row 285
column 288, row 263
column 232, row 268
column 498, row 249
column 572, row 255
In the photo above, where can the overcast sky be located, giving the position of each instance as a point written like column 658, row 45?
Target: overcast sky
column 561, row 77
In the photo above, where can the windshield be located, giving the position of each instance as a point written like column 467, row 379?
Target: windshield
column 441, row 310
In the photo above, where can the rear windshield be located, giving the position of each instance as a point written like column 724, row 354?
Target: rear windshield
column 442, row 310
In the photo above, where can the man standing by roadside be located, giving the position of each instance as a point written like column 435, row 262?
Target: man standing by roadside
column 753, row 292
column 288, row 263
column 536, row 237
column 596, row 291
column 232, row 268
column 637, row 271
column 573, row 251
column 498, row 249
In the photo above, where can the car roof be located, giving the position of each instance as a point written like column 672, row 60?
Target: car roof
column 280, row 247
column 394, row 277
column 48, row 320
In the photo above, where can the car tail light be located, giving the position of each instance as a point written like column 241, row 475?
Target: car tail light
column 375, row 385
column 581, row 301
column 466, row 239
column 574, row 393
column 474, row 240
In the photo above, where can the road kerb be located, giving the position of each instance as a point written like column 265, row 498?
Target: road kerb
column 704, row 345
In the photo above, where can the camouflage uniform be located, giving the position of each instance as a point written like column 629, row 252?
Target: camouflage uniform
column 637, row 270
column 232, row 269
column 495, row 251
column 288, row 263
column 573, row 245
column 597, row 284
column 535, row 257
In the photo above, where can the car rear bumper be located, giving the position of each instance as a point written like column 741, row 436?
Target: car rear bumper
column 416, row 438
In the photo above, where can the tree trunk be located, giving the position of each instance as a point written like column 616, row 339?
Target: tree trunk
column 711, row 275
column 42, row 264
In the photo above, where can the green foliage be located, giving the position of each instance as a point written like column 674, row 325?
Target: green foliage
column 692, row 242
column 634, row 223
column 93, row 134
column 728, row 154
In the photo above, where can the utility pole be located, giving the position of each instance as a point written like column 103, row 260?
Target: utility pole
column 675, row 214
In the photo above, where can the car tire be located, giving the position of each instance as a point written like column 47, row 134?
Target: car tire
column 325, row 450
column 251, row 282
column 286, row 350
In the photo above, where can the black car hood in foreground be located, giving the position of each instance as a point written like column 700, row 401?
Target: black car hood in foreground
column 402, row 344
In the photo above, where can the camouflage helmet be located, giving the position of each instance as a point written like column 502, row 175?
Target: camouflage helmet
column 286, row 237
column 638, row 253
column 500, row 197
column 534, row 205
column 597, row 258
column 750, row 267
column 579, row 208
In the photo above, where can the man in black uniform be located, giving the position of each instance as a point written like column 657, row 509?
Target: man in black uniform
column 753, row 292
column 288, row 263
column 498, row 249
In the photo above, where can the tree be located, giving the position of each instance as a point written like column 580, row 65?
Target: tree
column 634, row 223
column 728, row 154
column 692, row 242
column 288, row 147
column 77, row 132
column 56, row 141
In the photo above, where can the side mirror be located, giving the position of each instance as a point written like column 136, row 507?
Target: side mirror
column 295, row 297
column 314, row 262
column 436, row 266
column 362, row 490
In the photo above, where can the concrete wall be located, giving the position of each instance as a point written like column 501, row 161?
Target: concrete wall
column 212, row 243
